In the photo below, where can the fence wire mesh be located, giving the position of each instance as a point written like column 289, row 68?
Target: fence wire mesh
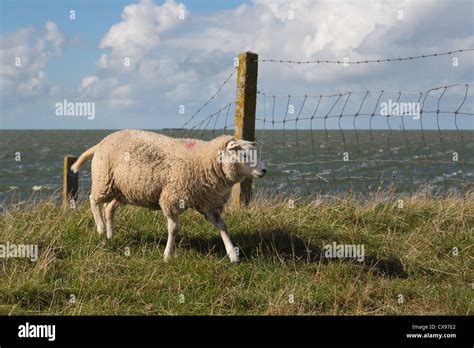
column 357, row 141
column 348, row 142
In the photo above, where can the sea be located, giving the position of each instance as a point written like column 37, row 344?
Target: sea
column 299, row 162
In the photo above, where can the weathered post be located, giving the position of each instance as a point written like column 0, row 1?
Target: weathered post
column 70, row 183
column 247, row 72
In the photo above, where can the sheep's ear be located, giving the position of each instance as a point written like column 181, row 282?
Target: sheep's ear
column 233, row 145
column 246, row 142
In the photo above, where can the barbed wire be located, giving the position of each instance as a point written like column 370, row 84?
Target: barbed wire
column 367, row 61
column 203, row 125
column 361, row 92
column 219, row 89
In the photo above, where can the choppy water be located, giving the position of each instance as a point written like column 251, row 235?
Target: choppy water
column 303, row 161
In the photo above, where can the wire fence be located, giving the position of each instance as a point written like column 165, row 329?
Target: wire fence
column 378, row 60
column 358, row 141
column 348, row 142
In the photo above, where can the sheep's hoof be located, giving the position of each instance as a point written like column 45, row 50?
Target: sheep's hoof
column 100, row 230
column 166, row 257
column 234, row 259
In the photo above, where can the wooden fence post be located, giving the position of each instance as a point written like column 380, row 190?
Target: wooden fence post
column 246, row 103
column 70, row 183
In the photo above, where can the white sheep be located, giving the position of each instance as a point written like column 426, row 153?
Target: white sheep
column 159, row 172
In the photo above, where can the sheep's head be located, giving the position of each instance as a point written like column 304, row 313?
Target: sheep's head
column 240, row 160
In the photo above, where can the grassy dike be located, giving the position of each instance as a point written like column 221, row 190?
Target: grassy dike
column 410, row 266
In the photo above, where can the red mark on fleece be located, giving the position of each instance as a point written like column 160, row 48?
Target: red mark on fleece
column 190, row 145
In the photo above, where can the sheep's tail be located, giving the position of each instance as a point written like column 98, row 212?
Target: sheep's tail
column 83, row 158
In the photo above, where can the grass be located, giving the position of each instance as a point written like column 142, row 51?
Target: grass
column 410, row 266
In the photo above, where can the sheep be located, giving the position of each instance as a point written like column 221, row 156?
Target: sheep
column 158, row 172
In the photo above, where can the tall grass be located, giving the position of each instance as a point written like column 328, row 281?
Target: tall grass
column 418, row 260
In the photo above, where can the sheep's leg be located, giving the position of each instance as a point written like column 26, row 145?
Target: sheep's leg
column 173, row 225
column 97, row 214
column 109, row 217
column 216, row 219
column 102, row 210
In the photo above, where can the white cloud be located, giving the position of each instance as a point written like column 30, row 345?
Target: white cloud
column 24, row 56
column 140, row 29
column 88, row 81
column 176, row 61
column 180, row 60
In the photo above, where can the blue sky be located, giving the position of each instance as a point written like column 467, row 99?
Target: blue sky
column 181, row 61
column 93, row 19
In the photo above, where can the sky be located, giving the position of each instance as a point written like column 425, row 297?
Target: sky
column 152, row 64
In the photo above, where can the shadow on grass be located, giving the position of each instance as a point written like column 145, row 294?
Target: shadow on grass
column 281, row 244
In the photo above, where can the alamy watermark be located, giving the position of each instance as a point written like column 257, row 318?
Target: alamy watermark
column 10, row 250
column 242, row 156
column 400, row 109
column 345, row 251
column 28, row 330
column 68, row 108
